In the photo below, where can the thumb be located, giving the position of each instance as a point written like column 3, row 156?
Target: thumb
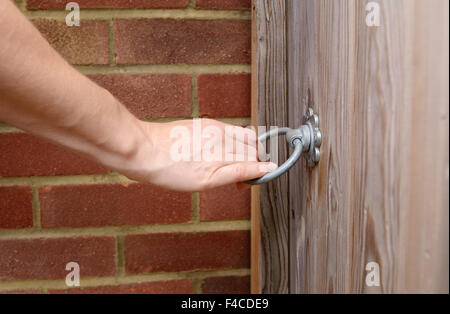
column 244, row 171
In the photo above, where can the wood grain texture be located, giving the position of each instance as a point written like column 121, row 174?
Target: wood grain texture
column 380, row 192
column 255, row 206
column 424, row 203
column 270, row 68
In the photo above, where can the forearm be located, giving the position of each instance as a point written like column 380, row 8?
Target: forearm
column 42, row 94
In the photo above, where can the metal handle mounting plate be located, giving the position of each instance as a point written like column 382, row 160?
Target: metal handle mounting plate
column 306, row 139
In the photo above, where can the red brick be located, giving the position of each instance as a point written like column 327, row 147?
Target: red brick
column 112, row 205
column 151, row 95
column 148, row 4
column 83, row 45
column 161, row 287
column 223, row 4
column 170, row 41
column 24, row 155
column 227, row 285
column 224, row 95
column 174, row 252
column 16, row 210
column 225, row 203
column 46, row 258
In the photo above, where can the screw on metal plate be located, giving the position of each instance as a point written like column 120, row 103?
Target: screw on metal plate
column 307, row 140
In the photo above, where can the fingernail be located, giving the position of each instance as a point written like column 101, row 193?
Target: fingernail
column 268, row 167
column 272, row 166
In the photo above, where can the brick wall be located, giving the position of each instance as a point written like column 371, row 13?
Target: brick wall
column 163, row 59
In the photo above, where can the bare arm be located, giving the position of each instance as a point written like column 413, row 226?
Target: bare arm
column 42, row 94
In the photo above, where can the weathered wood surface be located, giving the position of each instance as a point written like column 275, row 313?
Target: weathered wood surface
column 380, row 192
column 270, row 74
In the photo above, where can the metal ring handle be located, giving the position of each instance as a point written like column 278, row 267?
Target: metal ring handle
column 284, row 167
column 306, row 139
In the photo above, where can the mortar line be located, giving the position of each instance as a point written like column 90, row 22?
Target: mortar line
column 67, row 232
column 5, row 128
column 36, row 208
column 202, row 281
column 165, row 120
column 196, row 207
column 136, row 13
column 191, row 4
column 113, row 178
column 111, row 46
column 44, row 285
column 195, row 108
column 165, row 69
column 21, row 4
column 236, row 121
column 197, row 285
column 120, row 258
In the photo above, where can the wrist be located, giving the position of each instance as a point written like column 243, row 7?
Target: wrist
column 136, row 152
column 122, row 148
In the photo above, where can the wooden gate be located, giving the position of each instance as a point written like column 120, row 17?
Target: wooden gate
column 380, row 192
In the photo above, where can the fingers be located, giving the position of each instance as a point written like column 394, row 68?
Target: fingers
column 235, row 140
column 241, row 172
column 243, row 142
column 241, row 135
column 249, row 155
column 229, row 139
column 240, row 153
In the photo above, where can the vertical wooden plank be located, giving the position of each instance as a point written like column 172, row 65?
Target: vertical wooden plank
column 375, row 146
column 380, row 191
column 320, row 56
column 270, row 92
column 255, row 207
column 424, row 216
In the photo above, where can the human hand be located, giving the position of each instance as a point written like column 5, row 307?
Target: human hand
column 196, row 155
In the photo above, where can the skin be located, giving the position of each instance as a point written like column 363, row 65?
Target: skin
column 43, row 95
